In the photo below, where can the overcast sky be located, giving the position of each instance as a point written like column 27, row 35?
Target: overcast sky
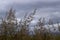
column 45, row 8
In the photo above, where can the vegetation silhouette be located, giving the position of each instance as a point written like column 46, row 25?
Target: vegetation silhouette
column 9, row 25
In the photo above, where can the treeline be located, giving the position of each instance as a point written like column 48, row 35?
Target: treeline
column 11, row 29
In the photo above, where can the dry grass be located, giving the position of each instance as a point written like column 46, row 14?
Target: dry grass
column 8, row 28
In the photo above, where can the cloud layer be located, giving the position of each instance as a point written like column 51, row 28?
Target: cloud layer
column 46, row 8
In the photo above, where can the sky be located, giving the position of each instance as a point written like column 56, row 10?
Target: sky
column 45, row 8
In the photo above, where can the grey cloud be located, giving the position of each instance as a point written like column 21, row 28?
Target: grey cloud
column 45, row 8
column 35, row 5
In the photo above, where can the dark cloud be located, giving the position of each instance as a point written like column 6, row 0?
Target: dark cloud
column 45, row 8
